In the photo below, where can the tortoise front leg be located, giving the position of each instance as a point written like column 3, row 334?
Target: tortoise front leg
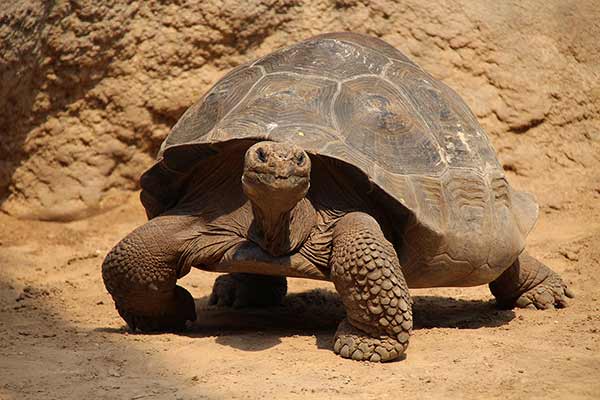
column 528, row 283
column 367, row 274
column 140, row 273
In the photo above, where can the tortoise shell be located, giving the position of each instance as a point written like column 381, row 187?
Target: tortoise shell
column 357, row 99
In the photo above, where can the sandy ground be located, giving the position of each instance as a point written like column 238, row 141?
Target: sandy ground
column 88, row 90
column 60, row 336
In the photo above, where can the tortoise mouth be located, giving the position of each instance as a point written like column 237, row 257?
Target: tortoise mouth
column 272, row 193
column 273, row 181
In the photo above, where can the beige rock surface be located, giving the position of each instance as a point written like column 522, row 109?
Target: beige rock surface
column 88, row 89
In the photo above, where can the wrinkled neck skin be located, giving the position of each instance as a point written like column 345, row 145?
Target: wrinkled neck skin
column 276, row 180
column 280, row 231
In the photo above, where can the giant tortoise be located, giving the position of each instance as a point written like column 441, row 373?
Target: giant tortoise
column 338, row 159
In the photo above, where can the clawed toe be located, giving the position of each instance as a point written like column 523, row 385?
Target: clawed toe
column 552, row 293
column 172, row 317
column 351, row 342
column 165, row 323
column 528, row 283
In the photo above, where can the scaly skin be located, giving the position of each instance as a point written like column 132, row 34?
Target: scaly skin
column 140, row 273
column 530, row 284
column 367, row 274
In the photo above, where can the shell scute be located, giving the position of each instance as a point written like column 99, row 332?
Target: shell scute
column 326, row 58
column 201, row 118
column 378, row 121
column 281, row 100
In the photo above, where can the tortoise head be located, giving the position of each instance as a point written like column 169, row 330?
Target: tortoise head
column 276, row 175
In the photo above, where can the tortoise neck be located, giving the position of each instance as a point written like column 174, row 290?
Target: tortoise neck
column 280, row 232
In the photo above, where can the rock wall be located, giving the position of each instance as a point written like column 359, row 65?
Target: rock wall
column 88, row 89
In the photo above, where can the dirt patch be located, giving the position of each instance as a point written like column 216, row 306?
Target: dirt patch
column 60, row 336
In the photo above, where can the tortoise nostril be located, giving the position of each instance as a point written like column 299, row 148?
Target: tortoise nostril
column 261, row 154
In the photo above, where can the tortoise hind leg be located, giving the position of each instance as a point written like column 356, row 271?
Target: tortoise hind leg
column 248, row 290
column 367, row 274
column 140, row 273
column 528, row 283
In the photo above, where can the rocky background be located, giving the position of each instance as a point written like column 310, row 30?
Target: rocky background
column 89, row 89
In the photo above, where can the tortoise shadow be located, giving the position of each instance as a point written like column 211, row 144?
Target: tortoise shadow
column 447, row 312
column 317, row 313
column 312, row 313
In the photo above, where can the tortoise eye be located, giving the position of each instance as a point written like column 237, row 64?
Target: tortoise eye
column 300, row 159
column 261, row 154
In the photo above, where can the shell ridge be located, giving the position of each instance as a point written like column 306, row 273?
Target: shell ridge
column 242, row 99
column 386, row 67
column 299, row 75
column 332, row 113
column 373, row 49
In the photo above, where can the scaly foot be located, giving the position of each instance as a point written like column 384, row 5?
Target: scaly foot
column 552, row 292
column 351, row 342
column 171, row 318
column 530, row 284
